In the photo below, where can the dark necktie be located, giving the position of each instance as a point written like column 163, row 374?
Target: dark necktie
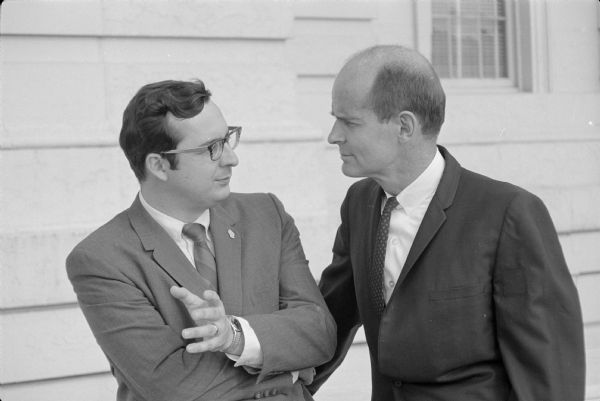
column 203, row 257
column 376, row 271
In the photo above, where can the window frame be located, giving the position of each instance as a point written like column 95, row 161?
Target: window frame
column 526, row 45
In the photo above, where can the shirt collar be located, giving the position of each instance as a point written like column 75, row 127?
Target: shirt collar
column 172, row 225
column 422, row 189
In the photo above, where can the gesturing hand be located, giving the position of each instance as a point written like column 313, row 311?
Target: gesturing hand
column 213, row 331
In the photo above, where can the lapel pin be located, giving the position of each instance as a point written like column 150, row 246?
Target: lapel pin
column 231, row 233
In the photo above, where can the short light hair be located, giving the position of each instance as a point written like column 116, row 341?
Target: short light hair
column 404, row 81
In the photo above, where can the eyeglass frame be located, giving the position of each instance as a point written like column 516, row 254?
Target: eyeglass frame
column 231, row 130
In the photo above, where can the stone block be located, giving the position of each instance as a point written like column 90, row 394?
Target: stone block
column 51, row 49
column 57, row 339
column 534, row 165
column 588, row 285
column 570, row 37
column 331, row 10
column 403, row 22
column 337, row 40
column 489, row 117
column 352, row 380
column 251, row 84
column 581, row 251
column 592, row 335
column 179, row 18
column 55, row 187
column 192, row 18
column 572, row 209
column 313, row 96
column 33, row 272
column 39, row 17
column 52, row 103
column 592, row 374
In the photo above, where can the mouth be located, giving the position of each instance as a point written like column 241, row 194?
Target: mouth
column 223, row 180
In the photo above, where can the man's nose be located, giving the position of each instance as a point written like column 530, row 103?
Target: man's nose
column 228, row 158
column 335, row 135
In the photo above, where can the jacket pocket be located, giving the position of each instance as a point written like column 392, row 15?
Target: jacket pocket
column 463, row 291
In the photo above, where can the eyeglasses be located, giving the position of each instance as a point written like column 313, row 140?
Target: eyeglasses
column 232, row 138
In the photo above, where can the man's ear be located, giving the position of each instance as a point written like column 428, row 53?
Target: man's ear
column 157, row 166
column 407, row 124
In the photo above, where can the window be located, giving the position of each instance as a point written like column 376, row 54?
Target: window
column 470, row 39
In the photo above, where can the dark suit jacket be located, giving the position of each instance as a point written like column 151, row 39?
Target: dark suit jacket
column 484, row 309
column 122, row 274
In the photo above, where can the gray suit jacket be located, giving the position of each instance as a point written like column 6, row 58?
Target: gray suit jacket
column 122, row 273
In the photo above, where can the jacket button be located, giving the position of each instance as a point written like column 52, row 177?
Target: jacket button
column 398, row 383
column 258, row 395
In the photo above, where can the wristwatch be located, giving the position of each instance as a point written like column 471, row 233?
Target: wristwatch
column 237, row 335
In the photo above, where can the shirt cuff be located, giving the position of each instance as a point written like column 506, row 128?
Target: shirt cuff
column 295, row 375
column 252, row 353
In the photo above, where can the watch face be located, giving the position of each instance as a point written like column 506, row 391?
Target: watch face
column 235, row 324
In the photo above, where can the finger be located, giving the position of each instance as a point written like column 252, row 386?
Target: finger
column 207, row 313
column 212, row 344
column 212, row 298
column 188, row 298
column 205, row 331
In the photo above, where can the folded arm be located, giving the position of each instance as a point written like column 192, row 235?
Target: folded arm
column 140, row 340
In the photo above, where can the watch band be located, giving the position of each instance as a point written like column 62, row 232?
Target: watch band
column 237, row 335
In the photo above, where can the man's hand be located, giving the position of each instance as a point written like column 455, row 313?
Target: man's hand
column 213, row 331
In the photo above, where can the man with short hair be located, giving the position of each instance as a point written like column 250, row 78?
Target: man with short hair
column 194, row 293
column 459, row 280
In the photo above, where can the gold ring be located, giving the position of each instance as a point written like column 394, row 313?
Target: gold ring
column 216, row 329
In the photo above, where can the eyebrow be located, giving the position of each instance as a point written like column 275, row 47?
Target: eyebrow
column 212, row 141
column 346, row 119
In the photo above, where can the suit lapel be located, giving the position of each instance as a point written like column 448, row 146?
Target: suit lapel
column 228, row 250
column 165, row 251
column 435, row 216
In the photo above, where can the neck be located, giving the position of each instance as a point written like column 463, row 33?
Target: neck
column 171, row 206
column 414, row 163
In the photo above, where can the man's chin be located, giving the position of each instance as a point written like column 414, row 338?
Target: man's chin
column 225, row 192
column 350, row 171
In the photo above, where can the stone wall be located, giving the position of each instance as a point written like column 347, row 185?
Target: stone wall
column 69, row 67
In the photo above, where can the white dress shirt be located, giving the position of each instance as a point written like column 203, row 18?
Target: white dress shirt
column 406, row 219
column 252, row 353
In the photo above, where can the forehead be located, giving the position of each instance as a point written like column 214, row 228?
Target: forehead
column 351, row 90
column 205, row 126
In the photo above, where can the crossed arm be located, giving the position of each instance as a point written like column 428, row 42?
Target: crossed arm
column 212, row 324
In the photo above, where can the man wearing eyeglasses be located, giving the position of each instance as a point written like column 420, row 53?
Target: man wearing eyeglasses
column 194, row 293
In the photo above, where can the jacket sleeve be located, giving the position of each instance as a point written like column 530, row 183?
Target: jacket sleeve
column 337, row 287
column 539, row 324
column 301, row 334
column 144, row 349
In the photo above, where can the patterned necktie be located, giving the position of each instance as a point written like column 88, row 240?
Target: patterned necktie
column 203, row 257
column 376, row 271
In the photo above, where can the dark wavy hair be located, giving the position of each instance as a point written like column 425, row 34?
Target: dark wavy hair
column 145, row 128
column 405, row 81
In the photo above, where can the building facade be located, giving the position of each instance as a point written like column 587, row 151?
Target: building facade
column 522, row 79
